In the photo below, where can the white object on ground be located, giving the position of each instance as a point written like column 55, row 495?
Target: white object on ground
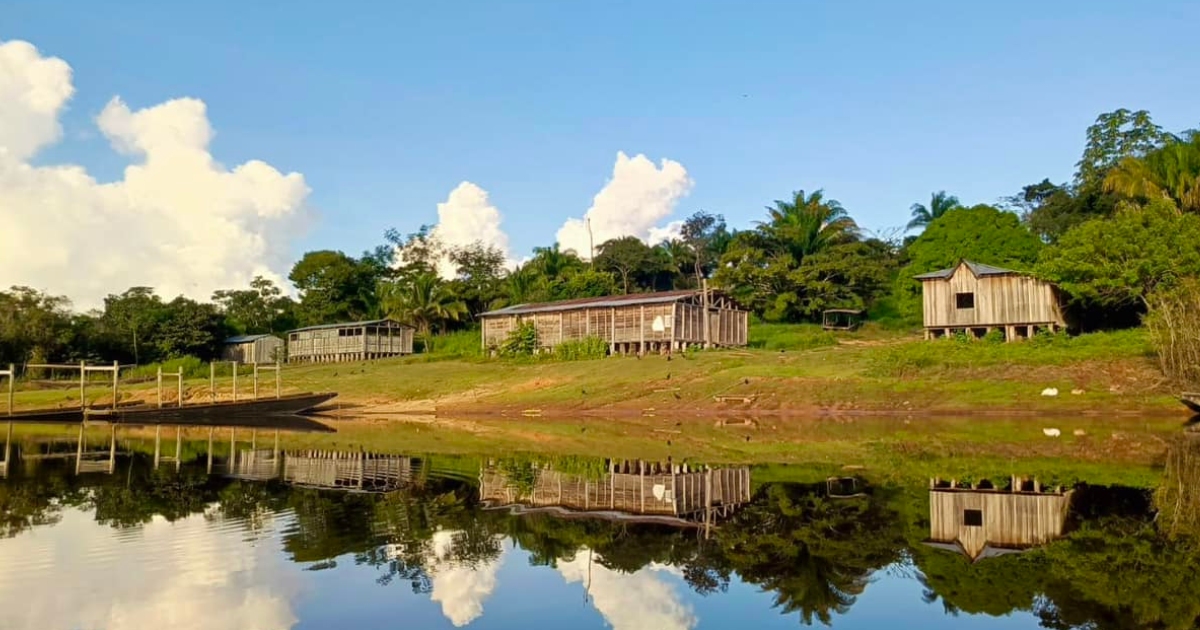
column 1052, row 432
column 1050, row 391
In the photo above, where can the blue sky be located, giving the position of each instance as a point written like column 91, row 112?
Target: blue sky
column 386, row 107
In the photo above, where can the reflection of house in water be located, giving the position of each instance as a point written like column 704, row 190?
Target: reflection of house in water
column 357, row 471
column 651, row 492
column 982, row 521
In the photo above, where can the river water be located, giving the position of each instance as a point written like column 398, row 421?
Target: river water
column 271, row 539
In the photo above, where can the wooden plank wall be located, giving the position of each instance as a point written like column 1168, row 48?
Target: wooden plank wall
column 1009, row 519
column 327, row 344
column 999, row 301
column 351, row 470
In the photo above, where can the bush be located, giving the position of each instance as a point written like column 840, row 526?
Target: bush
column 522, row 341
column 583, row 349
column 789, row 336
column 454, row 345
column 193, row 367
column 1174, row 325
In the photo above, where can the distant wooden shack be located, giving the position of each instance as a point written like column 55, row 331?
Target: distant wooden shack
column 976, row 298
column 983, row 522
column 354, row 341
column 252, row 349
column 628, row 491
column 635, row 323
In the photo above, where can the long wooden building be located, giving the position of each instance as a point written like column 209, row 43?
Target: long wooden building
column 982, row 522
column 354, row 341
column 975, row 298
column 630, row 490
column 636, row 323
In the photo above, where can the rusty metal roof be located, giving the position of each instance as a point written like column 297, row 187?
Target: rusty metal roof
column 632, row 299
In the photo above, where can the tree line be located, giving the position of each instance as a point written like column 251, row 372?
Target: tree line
column 1117, row 239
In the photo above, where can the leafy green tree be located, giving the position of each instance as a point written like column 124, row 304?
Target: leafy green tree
column 34, row 326
column 807, row 224
column 188, row 328
column 1168, row 172
column 633, row 261
column 1120, row 261
column 553, row 262
column 939, row 203
column 707, row 237
column 263, row 308
column 679, row 263
column 980, row 233
column 133, row 315
column 584, row 283
column 479, row 269
column 335, row 287
column 1115, row 136
column 425, row 302
column 848, row 275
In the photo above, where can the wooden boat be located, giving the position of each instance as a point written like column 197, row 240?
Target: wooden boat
column 212, row 414
column 1191, row 400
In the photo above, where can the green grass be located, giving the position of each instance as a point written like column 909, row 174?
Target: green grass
column 460, row 344
column 790, row 337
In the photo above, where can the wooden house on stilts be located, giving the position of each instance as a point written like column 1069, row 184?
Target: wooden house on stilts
column 637, row 323
column 976, row 298
column 354, row 341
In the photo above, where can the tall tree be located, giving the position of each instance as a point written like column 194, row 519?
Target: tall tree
column 807, row 224
column 939, row 203
column 635, row 263
column 188, row 328
column 133, row 315
column 708, row 238
column 424, row 302
column 478, row 272
column 34, row 326
column 1113, row 137
column 1168, row 172
column 262, row 308
column 335, row 287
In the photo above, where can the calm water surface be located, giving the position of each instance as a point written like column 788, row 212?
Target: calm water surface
column 273, row 540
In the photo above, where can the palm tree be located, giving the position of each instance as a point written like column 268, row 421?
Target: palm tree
column 1172, row 171
column 939, row 203
column 807, row 224
column 425, row 303
column 552, row 262
column 680, row 259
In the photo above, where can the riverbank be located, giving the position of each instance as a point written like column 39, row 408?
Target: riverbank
column 794, row 371
column 869, row 373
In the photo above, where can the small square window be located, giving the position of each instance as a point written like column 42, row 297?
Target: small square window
column 973, row 518
column 964, row 300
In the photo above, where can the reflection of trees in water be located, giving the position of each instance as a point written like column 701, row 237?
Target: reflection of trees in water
column 27, row 503
column 814, row 553
column 1178, row 498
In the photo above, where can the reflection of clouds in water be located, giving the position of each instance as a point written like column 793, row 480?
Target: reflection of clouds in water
column 460, row 589
column 190, row 574
column 630, row 601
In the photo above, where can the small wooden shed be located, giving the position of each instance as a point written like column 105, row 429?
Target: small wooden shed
column 634, row 323
column 353, row 341
column 985, row 522
column 975, row 298
column 253, row 349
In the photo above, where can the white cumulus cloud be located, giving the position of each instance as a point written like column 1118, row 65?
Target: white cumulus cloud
column 630, row 601
column 177, row 220
column 636, row 199
column 467, row 217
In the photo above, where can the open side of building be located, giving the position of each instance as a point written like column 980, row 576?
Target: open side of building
column 253, row 349
column 354, row 341
column 983, row 522
column 636, row 323
column 975, row 299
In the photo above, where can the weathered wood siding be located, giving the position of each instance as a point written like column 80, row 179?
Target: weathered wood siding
column 323, row 469
column 349, row 344
column 633, row 324
column 999, row 301
column 1013, row 520
column 633, row 488
column 265, row 350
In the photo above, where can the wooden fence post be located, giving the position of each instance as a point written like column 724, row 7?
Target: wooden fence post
column 82, row 385
column 212, row 382
column 116, row 375
column 256, row 380
column 159, row 376
column 235, row 364
column 279, row 379
column 180, row 392
column 12, row 379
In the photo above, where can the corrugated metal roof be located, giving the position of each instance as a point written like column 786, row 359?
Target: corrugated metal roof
column 979, row 269
column 632, row 299
column 248, row 338
column 372, row 322
column 989, row 551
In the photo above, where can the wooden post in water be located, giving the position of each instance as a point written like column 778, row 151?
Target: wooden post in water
column 210, row 447
column 159, row 374
column 7, row 446
column 178, row 446
column 12, row 380
column 79, row 448
column 112, row 448
column 157, row 444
